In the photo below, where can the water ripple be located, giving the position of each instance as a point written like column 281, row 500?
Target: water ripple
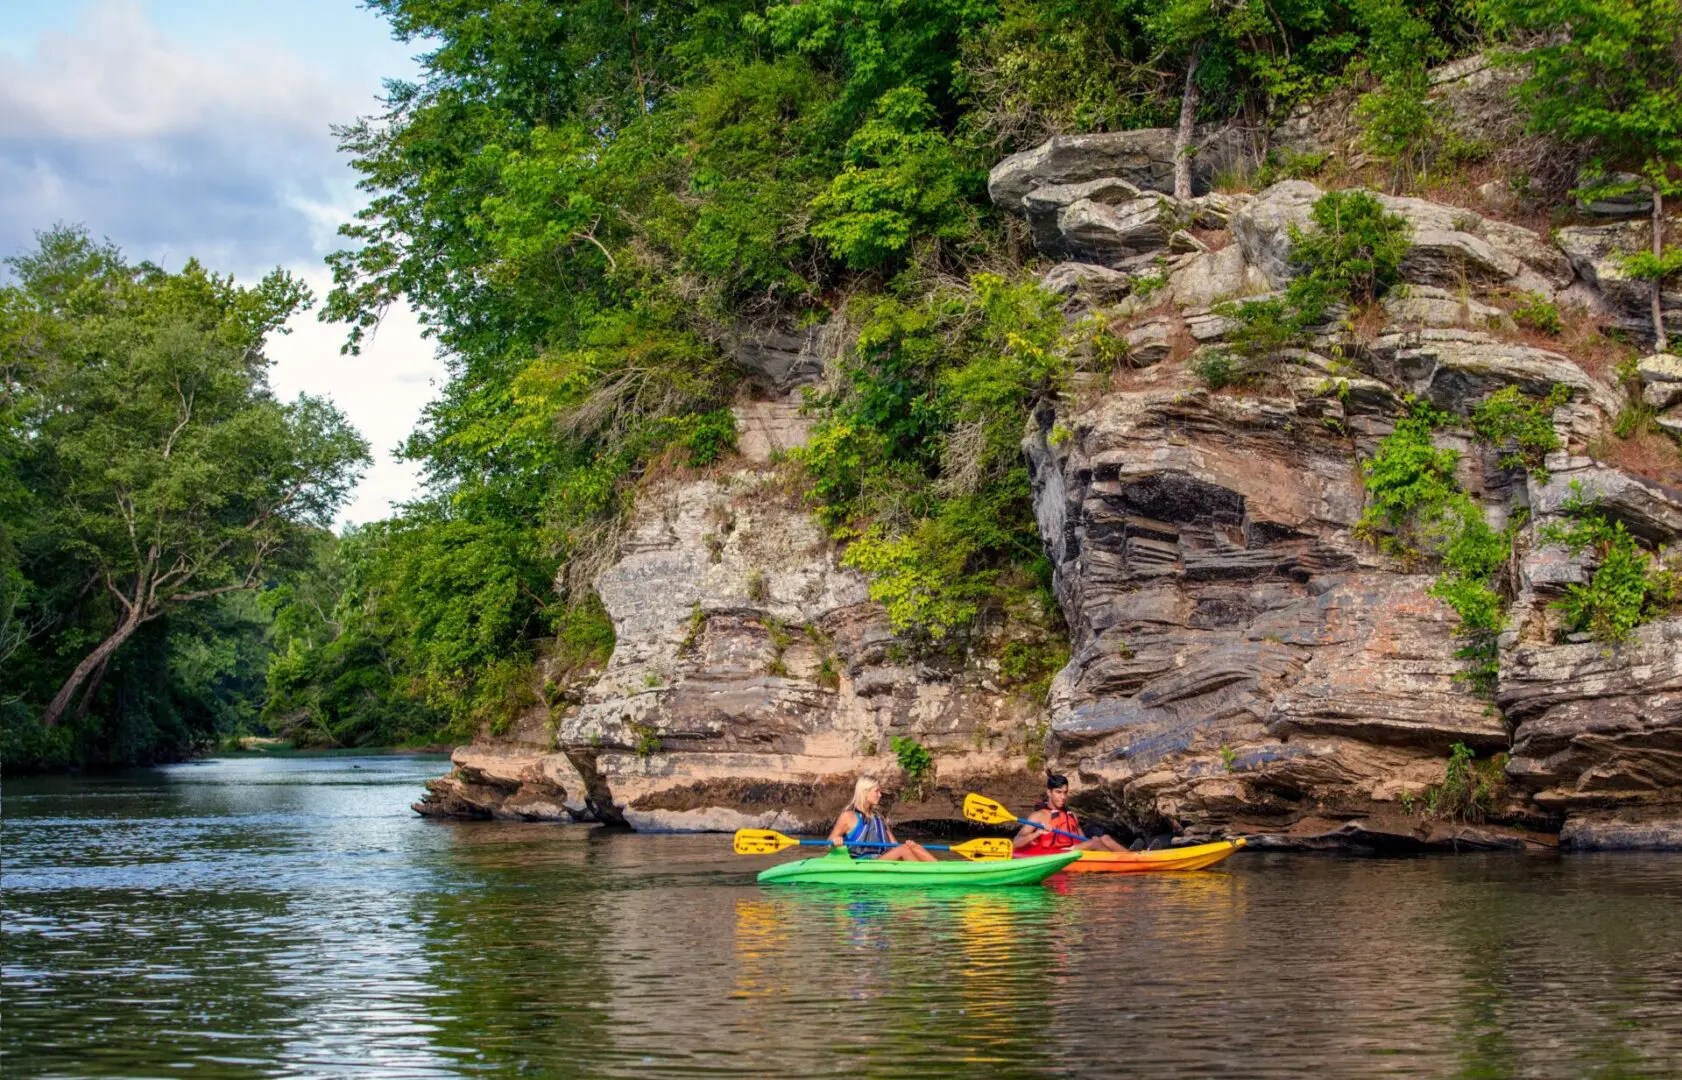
column 291, row 917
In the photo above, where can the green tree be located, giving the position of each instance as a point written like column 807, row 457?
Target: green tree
column 1609, row 73
column 163, row 470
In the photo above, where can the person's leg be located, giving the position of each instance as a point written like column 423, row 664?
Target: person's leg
column 910, row 851
column 921, row 853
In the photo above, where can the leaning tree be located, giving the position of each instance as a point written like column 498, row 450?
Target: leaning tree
column 162, row 469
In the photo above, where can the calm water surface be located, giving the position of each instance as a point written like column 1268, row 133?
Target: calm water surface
column 293, row 917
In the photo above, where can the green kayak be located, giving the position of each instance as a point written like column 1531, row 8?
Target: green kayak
column 840, row 868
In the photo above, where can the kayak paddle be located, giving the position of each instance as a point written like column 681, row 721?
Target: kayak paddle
column 985, row 810
column 767, row 841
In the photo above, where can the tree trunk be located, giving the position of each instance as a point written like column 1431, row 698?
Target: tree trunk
column 1659, row 342
column 1188, row 121
column 94, row 660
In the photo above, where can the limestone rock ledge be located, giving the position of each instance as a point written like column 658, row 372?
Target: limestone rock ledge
column 752, row 680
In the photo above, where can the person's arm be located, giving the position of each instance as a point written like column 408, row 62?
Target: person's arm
column 1026, row 834
column 889, row 829
column 838, row 835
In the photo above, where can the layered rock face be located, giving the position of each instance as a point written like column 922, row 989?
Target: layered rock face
column 1240, row 660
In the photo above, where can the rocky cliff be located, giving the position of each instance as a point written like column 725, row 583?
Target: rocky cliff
column 1242, row 660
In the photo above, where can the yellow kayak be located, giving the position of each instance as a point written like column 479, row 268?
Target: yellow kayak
column 1193, row 857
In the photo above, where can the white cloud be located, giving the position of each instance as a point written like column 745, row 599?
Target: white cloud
column 218, row 149
column 115, row 76
column 382, row 391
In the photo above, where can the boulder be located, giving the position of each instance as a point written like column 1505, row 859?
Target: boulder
column 1214, row 210
column 1456, row 369
column 1662, row 395
column 1450, row 257
column 1214, row 276
column 1659, row 368
column 1597, row 251
column 1043, row 205
column 1151, row 342
column 1650, row 511
column 1451, row 247
column 1143, row 157
column 1420, row 306
column 1116, row 235
column 1262, row 227
column 780, row 360
column 1598, row 727
column 1623, row 830
column 1670, row 422
column 1097, row 284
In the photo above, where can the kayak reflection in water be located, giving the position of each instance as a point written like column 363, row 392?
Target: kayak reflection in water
column 860, row 824
column 1050, row 814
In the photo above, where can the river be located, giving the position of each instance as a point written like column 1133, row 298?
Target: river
column 292, row 917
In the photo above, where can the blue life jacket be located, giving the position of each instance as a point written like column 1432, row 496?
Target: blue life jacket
column 872, row 830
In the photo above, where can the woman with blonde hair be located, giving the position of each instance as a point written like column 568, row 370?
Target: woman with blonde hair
column 860, row 824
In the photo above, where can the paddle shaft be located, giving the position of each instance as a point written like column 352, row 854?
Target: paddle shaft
column 869, row 843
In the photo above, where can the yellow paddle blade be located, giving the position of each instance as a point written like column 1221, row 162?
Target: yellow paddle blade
column 985, row 847
column 761, row 841
column 981, row 808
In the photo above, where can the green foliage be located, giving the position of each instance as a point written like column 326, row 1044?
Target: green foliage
column 1628, row 587
column 916, row 457
column 648, row 742
column 150, row 475
column 1539, row 313
column 1027, row 667
column 1646, row 266
column 1290, row 165
column 915, row 759
column 1262, row 330
column 1469, row 787
column 1352, row 255
column 1409, row 482
column 1217, row 369
column 902, row 179
column 757, row 586
column 1229, row 757
column 582, row 209
column 584, row 636
column 1399, row 124
column 1415, row 509
column 1520, row 426
column 693, row 628
column 920, row 576
column 707, row 436
column 1605, row 72
column 1608, row 74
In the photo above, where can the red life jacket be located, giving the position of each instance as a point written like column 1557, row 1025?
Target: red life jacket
column 1049, row 843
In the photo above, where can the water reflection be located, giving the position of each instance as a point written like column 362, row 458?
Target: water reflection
column 293, row 918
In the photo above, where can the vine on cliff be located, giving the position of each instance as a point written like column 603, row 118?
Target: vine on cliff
column 1416, row 510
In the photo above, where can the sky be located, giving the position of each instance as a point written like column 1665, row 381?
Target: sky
column 201, row 128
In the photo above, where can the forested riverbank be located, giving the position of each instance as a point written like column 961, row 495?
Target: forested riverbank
column 707, row 274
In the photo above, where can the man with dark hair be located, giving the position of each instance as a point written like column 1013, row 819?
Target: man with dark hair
column 1050, row 813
